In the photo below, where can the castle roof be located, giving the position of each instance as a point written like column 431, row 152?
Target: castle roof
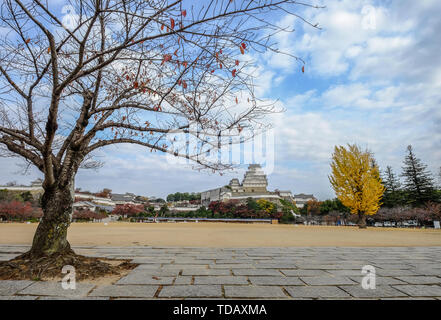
column 303, row 196
column 255, row 176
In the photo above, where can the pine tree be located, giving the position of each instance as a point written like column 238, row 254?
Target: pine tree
column 374, row 165
column 393, row 194
column 391, row 182
column 418, row 181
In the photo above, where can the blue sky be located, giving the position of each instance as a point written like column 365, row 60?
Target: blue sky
column 374, row 80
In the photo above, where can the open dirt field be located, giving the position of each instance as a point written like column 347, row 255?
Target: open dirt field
column 225, row 235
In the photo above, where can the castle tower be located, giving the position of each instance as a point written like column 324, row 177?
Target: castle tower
column 235, row 185
column 254, row 179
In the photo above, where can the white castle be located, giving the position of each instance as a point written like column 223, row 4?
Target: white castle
column 254, row 185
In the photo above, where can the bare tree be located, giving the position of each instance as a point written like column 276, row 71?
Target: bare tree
column 125, row 71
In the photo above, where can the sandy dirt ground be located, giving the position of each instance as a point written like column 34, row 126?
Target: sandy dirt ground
column 225, row 235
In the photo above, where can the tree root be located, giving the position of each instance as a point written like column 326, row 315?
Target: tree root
column 26, row 267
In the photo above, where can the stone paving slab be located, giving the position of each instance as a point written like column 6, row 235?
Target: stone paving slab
column 391, row 266
column 256, row 272
column 151, row 260
column 235, row 261
column 276, row 281
column 379, row 292
column 159, row 272
column 250, row 273
column 317, row 292
column 254, row 292
column 43, row 288
column 220, row 280
column 18, row 298
column 395, row 273
column 231, row 266
column 194, row 291
column 183, row 280
column 420, row 279
column 274, row 266
column 8, row 256
column 327, row 280
column 148, row 267
column 12, row 249
column 72, row 298
column 180, row 267
column 420, row 290
column 134, row 291
column 141, row 278
column 306, row 273
column 380, row 280
column 337, row 266
column 348, row 273
column 409, row 298
column 206, row 272
column 193, row 261
column 427, row 271
column 10, row 287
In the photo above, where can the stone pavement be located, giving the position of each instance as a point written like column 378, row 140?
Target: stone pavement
column 250, row 273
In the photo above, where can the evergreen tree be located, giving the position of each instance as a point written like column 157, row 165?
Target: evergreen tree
column 333, row 205
column 252, row 205
column 393, row 194
column 418, row 181
column 374, row 165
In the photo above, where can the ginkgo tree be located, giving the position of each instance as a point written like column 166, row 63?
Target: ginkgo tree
column 125, row 71
column 356, row 181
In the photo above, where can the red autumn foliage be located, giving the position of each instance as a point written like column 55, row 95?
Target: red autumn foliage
column 222, row 207
column 433, row 209
column 241, row 211
column 128, row 209
column 16, row 210
column 105, row 193
column 427, row 214
column 87, row 215
column 167, row 57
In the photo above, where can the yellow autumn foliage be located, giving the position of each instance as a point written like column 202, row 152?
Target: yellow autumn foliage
column 266, row 205
column 356, row 180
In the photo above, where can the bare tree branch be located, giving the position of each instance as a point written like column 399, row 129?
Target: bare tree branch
column 131, row 71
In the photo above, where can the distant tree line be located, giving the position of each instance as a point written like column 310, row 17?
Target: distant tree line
column 178, row 196
column 252, row 209
column 138, row 210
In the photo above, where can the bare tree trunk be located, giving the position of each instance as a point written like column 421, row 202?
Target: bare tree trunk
column 51, row 234
column 361, row 220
